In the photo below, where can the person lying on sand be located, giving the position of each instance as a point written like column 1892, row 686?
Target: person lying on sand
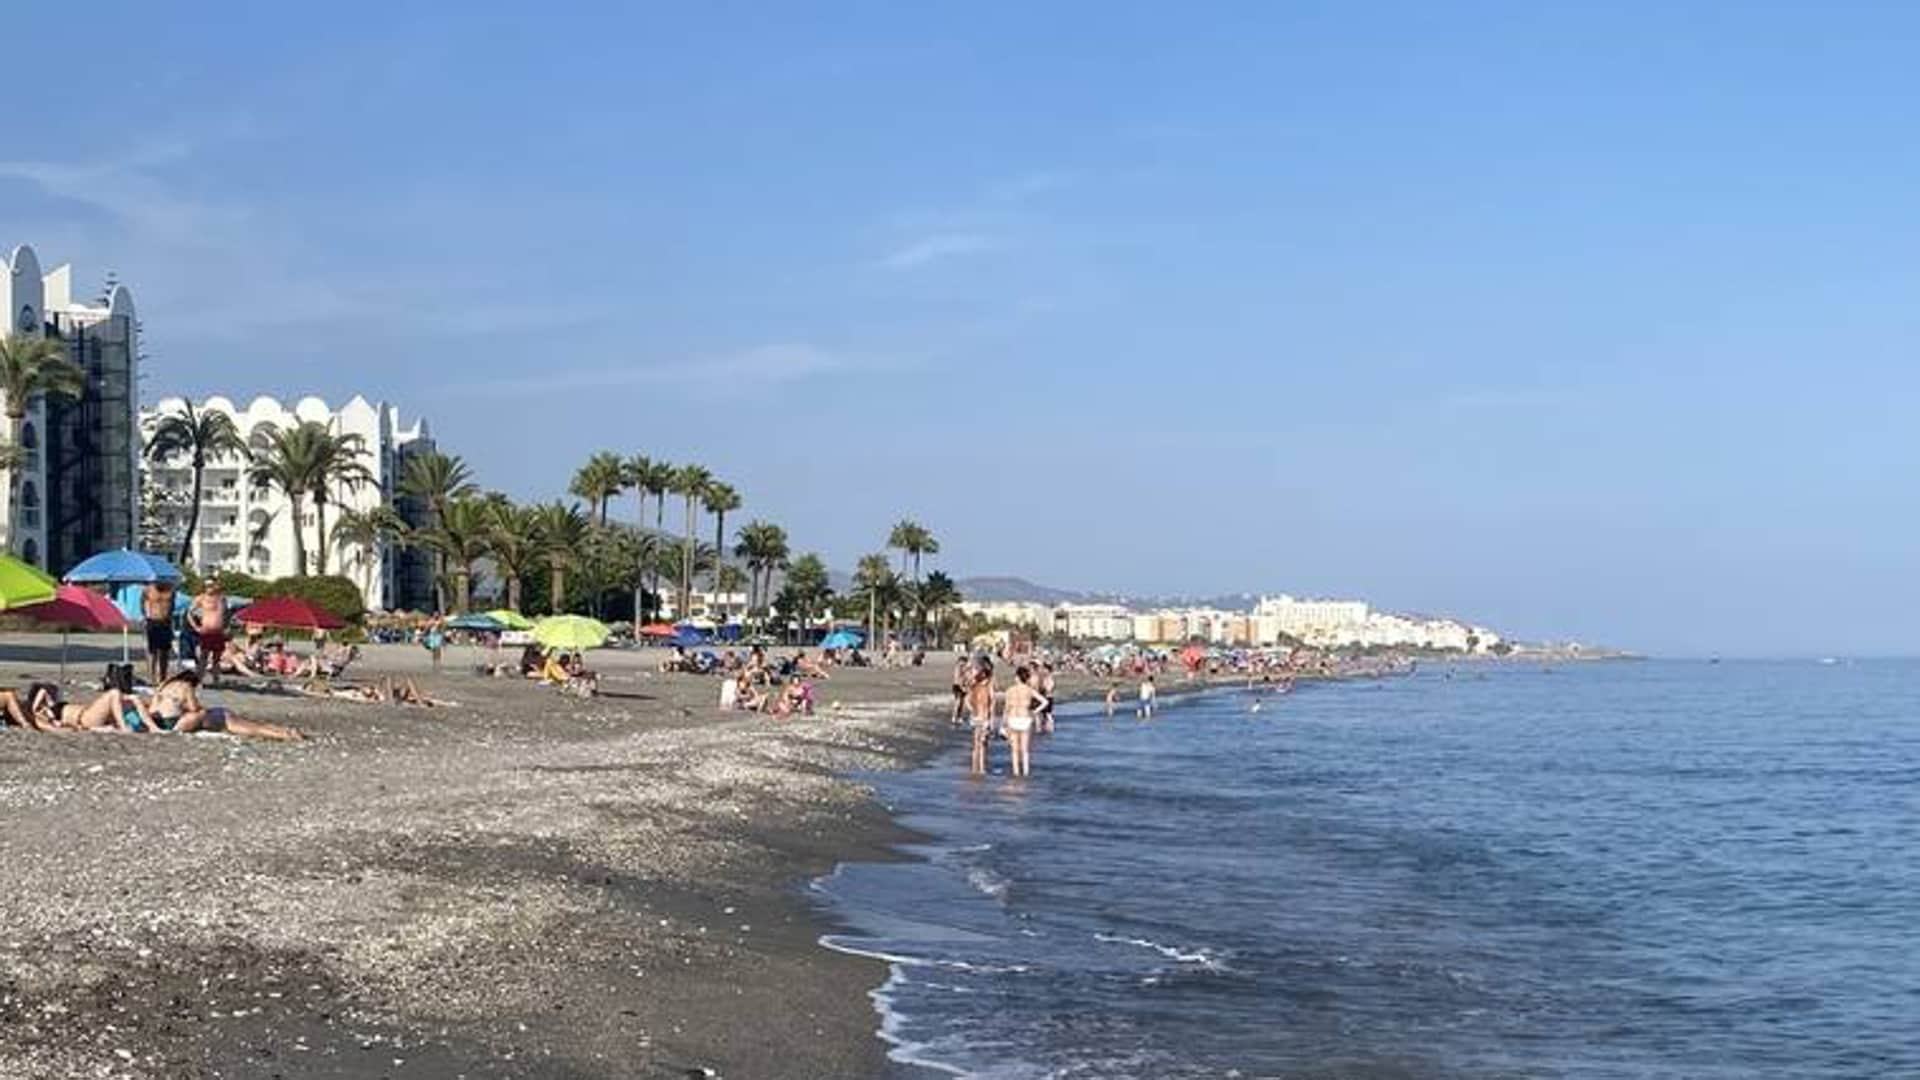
column 177, row 707
column 387, row 690
column 111, row 711
column 803, row 665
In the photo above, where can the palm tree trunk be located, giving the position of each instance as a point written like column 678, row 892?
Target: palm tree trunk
column 320, row 525
column 556, row 588
column 193, row 512
column 686, row 567
column 719, row 548
column 463, row 580
column 13, row 478
column 513, row 592
column 299, row 534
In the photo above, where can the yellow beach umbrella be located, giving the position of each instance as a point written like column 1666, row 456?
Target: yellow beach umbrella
column 22, row 584
column 571, row 632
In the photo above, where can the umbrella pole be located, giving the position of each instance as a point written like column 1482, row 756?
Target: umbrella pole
column 126, row 645
column 64, row 631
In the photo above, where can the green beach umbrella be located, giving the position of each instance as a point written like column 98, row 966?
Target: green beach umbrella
column 512, row 620
column 570, row 632
column 22, row 584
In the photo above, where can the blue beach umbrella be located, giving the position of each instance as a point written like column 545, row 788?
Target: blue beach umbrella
column 120, row 567
column 476, row 621
column 688, row 636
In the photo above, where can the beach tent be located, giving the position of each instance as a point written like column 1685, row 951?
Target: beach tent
column 75, row 608
column 841, row 639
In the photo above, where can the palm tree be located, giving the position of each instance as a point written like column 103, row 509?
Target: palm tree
column 562, row 530
column 934, row 596
column 598, row 481
column 340, row 467
column 721, row 500
column 634, row 473
column 806, row 590
column 691, row 483
column 657, row 479
column 289, row 462
column 464, row 536
column 877, row 582
column 516, row 546
column 32, row 366
column 913, row 539
column 201, row 435
column 435, row 479
column 366, row 532
column 763, row 547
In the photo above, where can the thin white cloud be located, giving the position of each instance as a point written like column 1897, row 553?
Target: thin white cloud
column 937, row 248
column 759, row 367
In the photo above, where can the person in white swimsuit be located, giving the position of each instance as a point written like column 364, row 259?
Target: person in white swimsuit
column 1022, row 702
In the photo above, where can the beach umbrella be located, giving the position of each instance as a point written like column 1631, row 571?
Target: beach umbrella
column 510, row 619
column 74, row 608
column 570, row 632
column 288, row 613
column 658, row 629
column 22, row 584
column 485, row 623
column 123, row 566
column 688, row 636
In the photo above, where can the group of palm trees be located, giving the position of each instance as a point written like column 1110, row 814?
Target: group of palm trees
column 462, row 528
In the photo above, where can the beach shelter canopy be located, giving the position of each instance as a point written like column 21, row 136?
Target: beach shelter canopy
column 22, row 584
column 77, row 609
column 511, row 619
column 122, row 566
column 570, row 632
column 841, row 639
column 288, row 613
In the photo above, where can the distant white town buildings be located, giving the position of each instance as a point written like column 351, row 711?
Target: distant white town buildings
column 1273, row 621
column 74, row 493
column 250, row 529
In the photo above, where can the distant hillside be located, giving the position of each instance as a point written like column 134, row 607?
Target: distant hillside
column 1017, row 590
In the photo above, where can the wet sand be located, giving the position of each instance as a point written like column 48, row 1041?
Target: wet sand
column 524, row 885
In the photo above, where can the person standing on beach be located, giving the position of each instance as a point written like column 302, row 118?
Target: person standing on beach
column 435, row 639
column 208, row 614
column 980, row 705
column 1146, row 698
column 962, row 675
column 156, row 603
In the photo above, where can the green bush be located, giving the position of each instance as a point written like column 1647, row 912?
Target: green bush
column 235, row 583
column 334, row 594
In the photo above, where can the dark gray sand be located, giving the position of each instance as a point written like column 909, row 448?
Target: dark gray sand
column 524, row 885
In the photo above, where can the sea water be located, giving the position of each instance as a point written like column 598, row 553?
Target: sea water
column 1657, row 869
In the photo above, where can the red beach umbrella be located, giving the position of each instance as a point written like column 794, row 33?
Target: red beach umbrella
column 287, row 613
column 658, row 629
column 75, row 608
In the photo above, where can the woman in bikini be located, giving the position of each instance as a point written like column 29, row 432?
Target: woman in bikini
column 111, row 711
column 1023, row 702
column 177, row 707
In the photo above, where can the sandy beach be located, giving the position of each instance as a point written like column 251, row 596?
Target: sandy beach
column 525, row 884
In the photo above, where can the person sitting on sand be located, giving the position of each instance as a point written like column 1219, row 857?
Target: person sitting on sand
column 328, row 663
column 789, row 699
column 177, row 707
column 807, row 668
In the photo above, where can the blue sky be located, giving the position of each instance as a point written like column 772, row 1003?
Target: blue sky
column 1595, row 323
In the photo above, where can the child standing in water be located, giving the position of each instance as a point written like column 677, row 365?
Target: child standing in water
column 1146, row 698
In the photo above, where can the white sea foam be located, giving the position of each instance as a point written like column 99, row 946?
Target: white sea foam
column 1202, row 957
column 988, row 882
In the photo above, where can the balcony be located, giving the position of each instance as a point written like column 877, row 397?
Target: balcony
column 221, row 496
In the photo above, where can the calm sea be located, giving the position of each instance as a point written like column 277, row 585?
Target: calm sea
column 1611, row 870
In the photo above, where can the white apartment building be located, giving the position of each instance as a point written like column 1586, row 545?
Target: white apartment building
column 1012, row 612
column 1305, row 619
column 74, row 493
column 250, row 529
column 1094, row 622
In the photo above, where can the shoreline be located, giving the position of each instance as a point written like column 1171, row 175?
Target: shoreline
column 525, row 885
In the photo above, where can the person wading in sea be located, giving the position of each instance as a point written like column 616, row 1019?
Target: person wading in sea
column 1023, row 703
column 980, row 706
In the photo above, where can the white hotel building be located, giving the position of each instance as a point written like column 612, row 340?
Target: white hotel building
column 250, row 529
column 74, row 493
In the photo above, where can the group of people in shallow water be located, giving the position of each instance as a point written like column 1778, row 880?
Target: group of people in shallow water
column 173, row 706
column 1024, row 708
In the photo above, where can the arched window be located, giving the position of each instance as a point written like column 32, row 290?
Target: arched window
column 29, row 436
column 29, row 495
column 30, row 551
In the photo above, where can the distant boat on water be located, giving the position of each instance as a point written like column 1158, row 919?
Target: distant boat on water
column 1828, row 661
